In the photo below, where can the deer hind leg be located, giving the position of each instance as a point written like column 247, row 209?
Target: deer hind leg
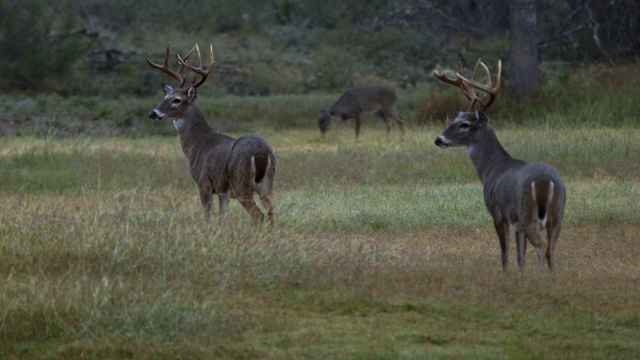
column 384, row 119
column 398, row 119
column 265, row 191
column 534, row 237
column 271, row 210
column 243, row 190
column 553, row 233
column 502, row 228
column 253, row 210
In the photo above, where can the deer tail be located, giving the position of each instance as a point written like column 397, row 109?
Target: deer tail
column 542, row 195
column 260, row 164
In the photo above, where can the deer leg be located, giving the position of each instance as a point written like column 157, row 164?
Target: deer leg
column 521, row 243
column 553, row 233
column 398, row 119
column 205, row 199
column 223, row 205
column 358, row 124
column 502, row 228
column 265, row 191
column 271, row 210
column 253, row 210
column 384, row 119
column 534, row 237
column 244, row 194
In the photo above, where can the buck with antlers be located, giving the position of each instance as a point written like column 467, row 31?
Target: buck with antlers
column 528, row 197
column 353, row 103
column 219, row 164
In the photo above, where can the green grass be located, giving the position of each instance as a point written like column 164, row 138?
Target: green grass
column 384, row 250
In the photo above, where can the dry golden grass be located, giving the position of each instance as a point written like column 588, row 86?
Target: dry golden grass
column 384, row 250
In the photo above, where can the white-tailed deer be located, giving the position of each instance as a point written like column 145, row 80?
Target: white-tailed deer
column 353, row 103
column 219, row 164
column 528, row 197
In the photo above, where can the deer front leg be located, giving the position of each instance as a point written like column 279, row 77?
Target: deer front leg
column 223, row 205
column 521, row 243
column 205, row 199
column 502, row 228
column 358, row 124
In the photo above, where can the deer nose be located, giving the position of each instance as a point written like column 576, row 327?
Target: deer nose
column 154, row 115
column 441, row 141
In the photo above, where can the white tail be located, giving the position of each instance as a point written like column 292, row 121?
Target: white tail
column 219, row 164
column 528, row 197
column 353, row 103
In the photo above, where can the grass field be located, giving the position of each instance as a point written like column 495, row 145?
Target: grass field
column 384, row 250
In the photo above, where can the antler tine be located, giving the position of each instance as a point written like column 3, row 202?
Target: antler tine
column 165, row 68
column 459, row 82
column 492, row 91
column 199, row 70
column 468, row 85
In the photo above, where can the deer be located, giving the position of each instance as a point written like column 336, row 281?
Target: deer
column 525, row 196
column 219, row 164
column 353, row 103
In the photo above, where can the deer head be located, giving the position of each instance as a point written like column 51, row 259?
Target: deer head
column 177, row 101
column 469, row 86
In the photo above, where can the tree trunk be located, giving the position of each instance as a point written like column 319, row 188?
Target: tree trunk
column 524, row 73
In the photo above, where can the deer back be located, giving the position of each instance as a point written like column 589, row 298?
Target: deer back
column 365, row 99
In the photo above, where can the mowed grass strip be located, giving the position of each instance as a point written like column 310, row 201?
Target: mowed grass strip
column 367, row 262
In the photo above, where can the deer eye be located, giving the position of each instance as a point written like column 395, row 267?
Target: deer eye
column 176, row 101
column 464, row 125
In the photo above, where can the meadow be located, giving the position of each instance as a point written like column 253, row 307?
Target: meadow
column 384, row 250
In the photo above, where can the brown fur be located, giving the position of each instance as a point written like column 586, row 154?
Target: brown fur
column 219, row 164
column 353, row 103
column 517, row 194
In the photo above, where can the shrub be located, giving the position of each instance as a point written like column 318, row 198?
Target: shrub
column 31, row 50
column 439, row 104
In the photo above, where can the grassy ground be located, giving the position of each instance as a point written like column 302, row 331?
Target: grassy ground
column 384, row 250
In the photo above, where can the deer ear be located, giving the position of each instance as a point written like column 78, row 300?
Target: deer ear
column 167, row 89
column 192, row 94
column 482, row 118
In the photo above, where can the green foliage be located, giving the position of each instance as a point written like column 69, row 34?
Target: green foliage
column 36, row 43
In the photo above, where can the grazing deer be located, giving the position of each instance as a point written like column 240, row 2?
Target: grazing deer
column 355, row 102
column 528, row 197
column 219, row 164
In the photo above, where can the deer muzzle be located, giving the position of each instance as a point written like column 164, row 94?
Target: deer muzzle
column 155, row 115
column 442, row 141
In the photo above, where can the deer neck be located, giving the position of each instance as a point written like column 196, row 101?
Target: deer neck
column 488, row 156
column 193, row 130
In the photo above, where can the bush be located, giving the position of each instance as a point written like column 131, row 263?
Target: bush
column 31, row 51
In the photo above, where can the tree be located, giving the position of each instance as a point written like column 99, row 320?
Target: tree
column 524, row 73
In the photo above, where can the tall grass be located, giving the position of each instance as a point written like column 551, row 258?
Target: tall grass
column 383, row 250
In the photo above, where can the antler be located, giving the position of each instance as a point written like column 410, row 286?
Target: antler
column 165, row 68
column 469, row 86
column 198, row 70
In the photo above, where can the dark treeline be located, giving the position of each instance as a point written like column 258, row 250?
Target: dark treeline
column 291, row 46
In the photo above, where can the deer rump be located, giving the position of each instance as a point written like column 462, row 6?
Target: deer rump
column 525, row 194
column 238, row 167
